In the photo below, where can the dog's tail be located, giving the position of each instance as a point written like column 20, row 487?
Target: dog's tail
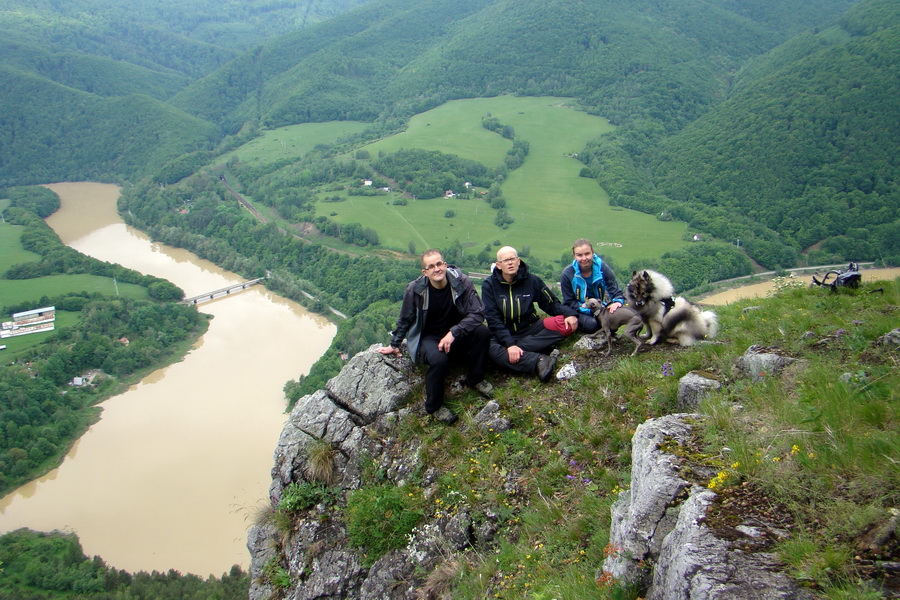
column 712, row 323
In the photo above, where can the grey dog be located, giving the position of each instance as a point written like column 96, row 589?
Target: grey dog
column 611, row 322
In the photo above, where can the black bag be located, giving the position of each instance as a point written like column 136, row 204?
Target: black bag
column 849, row 277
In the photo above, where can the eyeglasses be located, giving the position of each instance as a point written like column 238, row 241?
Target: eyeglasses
column 508, row 261
column 436, row 265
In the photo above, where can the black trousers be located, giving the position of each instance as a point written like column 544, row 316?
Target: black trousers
column 470, row 348
column 534, row 340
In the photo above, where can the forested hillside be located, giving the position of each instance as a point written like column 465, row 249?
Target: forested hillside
column 59, row 61
column 807, row 143
column 51, row 132
column 622, row 59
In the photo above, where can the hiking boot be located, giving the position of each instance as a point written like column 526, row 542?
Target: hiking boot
column 545, row 367
column 445, row 416
column 483, row 387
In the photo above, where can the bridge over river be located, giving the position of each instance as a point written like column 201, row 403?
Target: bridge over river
column 225, row 291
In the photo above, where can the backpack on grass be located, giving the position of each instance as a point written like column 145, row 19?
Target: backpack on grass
column 849, row 277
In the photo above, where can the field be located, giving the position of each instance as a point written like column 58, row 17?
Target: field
column 291, row 142
column 552, row 206
column 11, row 251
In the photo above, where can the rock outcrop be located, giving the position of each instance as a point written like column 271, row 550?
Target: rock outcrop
column 355, row 415
column 661, row 538
column 351, row 415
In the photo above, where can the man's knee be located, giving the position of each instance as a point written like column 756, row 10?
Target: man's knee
column 588, row 324
column 481, row 335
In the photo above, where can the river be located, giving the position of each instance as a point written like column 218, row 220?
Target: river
column 172, row 474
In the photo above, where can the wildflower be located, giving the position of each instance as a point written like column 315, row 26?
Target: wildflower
column 795, row 449
column 606, row 579
column 667, row 369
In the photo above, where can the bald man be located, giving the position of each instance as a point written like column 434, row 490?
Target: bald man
column 520, row 338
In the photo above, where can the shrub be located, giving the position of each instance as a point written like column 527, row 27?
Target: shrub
column 305, row 495
column 379, row 518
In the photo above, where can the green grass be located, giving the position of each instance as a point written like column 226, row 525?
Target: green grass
column 14, row 291
column 11, row 251
column 552, row 206
column 292, row 141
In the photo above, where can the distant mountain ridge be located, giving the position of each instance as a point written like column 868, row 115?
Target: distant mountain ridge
column 402, row 56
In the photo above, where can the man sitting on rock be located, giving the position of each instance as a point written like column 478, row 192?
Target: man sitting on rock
column 520, row 336
column 442, row 319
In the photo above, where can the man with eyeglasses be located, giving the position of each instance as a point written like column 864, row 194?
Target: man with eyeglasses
column 520, row 336
column 442, row 319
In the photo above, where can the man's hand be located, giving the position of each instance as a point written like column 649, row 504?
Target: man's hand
column 613, row 307
column 515, row 354
column 389, row 350
column 572, row 323
column 444, row 344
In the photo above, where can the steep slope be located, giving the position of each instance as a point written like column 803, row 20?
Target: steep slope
column 99, row 75
column 807, row 143
column 49, row 132
column 664, row 59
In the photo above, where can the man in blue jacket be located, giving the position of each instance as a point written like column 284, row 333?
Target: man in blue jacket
column 589, row 277
column 520, row 337
column 442, row 319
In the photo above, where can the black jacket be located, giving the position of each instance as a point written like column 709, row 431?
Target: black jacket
column 509, row 307
column 414, row 311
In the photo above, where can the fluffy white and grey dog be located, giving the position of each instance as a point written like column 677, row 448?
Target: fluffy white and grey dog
column 668, row 316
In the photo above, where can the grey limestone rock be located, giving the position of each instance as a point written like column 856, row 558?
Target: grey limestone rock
column 757, row 363
column 692, row 388
column 489, row 418
column 391, row 576
column 659, row 538
column 595, row 341
column 568, row 371
column 334, row 575
column 694, row 564
column 372, row 384
column 262, row 545
column 642, row 515
column 355, row 415
column 891, row 338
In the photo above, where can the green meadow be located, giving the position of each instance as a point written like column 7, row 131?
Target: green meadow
column 552, row 206
column 11, row 251
column 292, row 141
